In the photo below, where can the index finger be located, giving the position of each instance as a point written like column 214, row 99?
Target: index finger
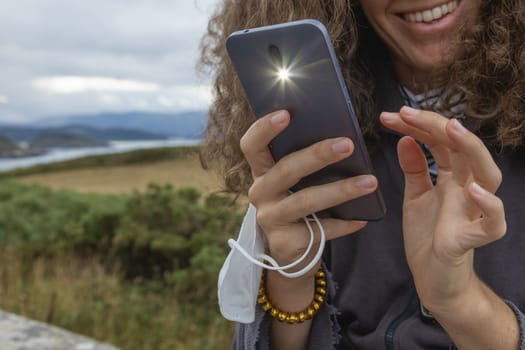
column 254, row 143
column 433, row 129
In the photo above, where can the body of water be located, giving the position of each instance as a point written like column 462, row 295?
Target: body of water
column 59, row 154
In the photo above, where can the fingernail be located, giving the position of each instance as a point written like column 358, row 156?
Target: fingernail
column 458, row 127
column 409, row 111
column 343, row 145
column 388, row 116
column 366, row 182
column 278, row 117
column 478, row 190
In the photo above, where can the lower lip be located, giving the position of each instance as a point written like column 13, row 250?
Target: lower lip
column 443, row 24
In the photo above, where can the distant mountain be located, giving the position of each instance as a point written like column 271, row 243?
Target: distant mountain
column 98, row 129
column 6, row 145
column 188, row 124
column 49, row 139
column 83, row 135
column 8, row 149
column 109, row 134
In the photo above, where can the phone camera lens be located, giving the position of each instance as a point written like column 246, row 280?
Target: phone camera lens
column 275, row 55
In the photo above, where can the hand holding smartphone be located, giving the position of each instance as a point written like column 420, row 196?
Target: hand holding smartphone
column 293, row 66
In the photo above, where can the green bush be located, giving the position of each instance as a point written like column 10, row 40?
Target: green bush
column 169, row 237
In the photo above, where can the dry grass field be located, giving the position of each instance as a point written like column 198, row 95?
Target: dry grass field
column 182, row 172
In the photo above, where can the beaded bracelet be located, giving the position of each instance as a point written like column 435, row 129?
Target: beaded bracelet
column 295, row 317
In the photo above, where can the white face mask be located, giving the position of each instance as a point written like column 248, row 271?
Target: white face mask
column 240, row 275
column 238, row 279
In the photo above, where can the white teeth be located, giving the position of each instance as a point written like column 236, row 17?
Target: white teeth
column 427, row 16
column 436, row 12
column 433, row 14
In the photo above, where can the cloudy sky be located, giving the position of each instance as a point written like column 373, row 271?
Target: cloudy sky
column 62, row 57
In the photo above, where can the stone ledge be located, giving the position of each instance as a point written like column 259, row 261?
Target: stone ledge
column 18, row 333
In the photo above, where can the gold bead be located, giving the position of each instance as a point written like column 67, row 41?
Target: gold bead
column 267, row 306
column 263, row 299
column 292, row 318
column 316, row 305
column 282, row 316
column 302, row 316
column 310, row 312
column 274, row 312
column 321, row 283
column 321, row 290
column 320, row 274
column 319, row 298
column 261, row 291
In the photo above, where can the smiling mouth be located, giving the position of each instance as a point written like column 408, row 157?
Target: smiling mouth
column 430, row 15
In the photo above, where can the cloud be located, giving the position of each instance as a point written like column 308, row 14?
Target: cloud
column 186, row 97
column 62, row 57
column 138, row 26
column 76, row 84
column 113, row 92
column 166, row 98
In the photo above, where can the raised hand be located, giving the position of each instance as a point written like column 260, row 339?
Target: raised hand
column 443, row 224
column 280, row 213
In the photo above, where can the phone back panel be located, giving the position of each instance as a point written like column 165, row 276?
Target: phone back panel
column 315, row 95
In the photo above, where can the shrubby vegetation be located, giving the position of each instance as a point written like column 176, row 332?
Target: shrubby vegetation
column 138, row 270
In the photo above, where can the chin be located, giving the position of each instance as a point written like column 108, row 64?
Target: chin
column 427, row 62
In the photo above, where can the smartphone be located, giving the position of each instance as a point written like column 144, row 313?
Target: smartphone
column 293, row 66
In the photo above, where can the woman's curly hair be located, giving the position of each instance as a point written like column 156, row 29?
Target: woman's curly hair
column 489, row 71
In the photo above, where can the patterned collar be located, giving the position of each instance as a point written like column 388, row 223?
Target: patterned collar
column 431, row 101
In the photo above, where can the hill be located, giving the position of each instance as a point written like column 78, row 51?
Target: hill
column 6, row 145
column 50, row 139
column 95, row 129
column 189, row 124
column 140, row 156
column 85, row 135
column 9, row 149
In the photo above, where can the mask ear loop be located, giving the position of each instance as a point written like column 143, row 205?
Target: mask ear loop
column 273, row 265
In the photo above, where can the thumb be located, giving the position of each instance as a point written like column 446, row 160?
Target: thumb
column 414, row 166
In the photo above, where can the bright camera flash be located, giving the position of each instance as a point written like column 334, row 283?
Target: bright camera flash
column 283, row 74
